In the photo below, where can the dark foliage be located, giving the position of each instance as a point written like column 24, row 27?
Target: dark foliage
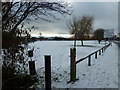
column 15, row 38
column 14, row 81
column 99, row 34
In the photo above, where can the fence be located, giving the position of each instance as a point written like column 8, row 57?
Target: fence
column 96, row 55
column 117, row 42
column 33, row 72
column 72, row 65
column 73, row 62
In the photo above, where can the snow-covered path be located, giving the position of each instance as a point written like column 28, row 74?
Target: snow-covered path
column 102, row 74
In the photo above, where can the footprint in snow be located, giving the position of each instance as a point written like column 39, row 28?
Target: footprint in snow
column 65, row 71
column 83, row 74
column 97, row 73
column 89, row 79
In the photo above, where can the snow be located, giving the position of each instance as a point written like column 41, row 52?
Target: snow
column 102, row 74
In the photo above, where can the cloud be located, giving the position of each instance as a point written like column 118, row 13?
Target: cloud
column 104, row 13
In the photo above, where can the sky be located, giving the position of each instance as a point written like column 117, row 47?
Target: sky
column 105, row 16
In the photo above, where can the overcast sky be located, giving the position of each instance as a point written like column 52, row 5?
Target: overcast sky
column 105, row 16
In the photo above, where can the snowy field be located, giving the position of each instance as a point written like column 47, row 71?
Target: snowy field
column 102, row 74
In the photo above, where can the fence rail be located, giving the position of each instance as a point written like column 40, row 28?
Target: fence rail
column 89, row 56
column 117, row 42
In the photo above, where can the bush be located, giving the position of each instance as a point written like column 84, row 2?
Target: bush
column 14, row 71
column 11, row 80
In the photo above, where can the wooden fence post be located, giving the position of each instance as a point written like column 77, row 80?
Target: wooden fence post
column 89, row 60
column 95, row 55
column 102, row 50
column 72, row 64
column 105, row 47
column 99, row 52
column 32, row 67
column 47, row 72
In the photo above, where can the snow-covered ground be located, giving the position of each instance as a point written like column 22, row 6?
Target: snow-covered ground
column 102, row 74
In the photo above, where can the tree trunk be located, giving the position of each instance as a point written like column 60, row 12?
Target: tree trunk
column 75, row 43
column 82, row 42
column 99, row 41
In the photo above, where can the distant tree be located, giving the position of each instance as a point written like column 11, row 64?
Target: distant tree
column 119, row 34
column 99, row 34
column 40, row 35
column 81, row 27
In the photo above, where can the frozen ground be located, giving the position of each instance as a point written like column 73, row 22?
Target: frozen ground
column 102, row 74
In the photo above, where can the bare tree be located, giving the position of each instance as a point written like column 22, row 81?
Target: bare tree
column 14, row 17
column 81, row 27
column 85, row 27
column 15, row 13
column 40, row 35
column 73, row 27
